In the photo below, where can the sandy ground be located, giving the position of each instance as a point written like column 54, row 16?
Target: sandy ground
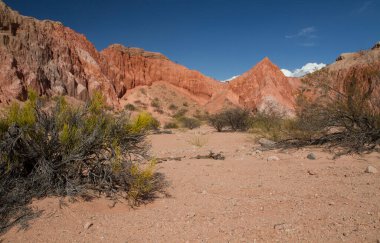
column 244, row 198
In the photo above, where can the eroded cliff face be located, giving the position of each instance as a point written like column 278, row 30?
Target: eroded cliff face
column 48, row 57
column 131, row 67
column 265, row 86
column 362, row 68
column 55, row 60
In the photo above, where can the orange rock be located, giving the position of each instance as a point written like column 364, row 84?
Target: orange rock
column 265, row 86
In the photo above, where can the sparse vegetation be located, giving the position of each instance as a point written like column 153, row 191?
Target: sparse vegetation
column 173, row 107
column 346, row 118
column 235, row 119
column 71, row 151
column 130, row 107
column 198, row 141
column 144, row 122
column 185, row 104
column 156, row 103
column 189, row 122
column 171, row 125
column 180, row 113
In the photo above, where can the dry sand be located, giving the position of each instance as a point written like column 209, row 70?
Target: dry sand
column 244, row 198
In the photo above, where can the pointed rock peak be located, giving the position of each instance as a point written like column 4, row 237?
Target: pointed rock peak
column 266, row 61
column 134, row 51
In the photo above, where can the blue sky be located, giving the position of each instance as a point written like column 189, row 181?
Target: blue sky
column 221, row 38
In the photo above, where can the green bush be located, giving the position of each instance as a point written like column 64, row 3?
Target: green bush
column 71, row 151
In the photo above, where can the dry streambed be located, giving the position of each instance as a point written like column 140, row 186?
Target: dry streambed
column 251, row 195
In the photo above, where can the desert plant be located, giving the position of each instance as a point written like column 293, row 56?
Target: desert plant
column 198, row 141
column 130, row 107
column 180, row 113
column 189, row 122
column 69, row 151
column 171, row 125
column 346, row 117
column 144, row 122
column 218, row 121
column 233, row 118
column 185, row 104
column 155, row 103
column 173, row 107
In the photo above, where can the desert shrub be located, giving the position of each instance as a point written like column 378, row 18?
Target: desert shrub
column 180, row 113
column 346, row 117
column 130, row 107
column 171, row 125
column 218, row 121
column 143, row 91
column 68, row 151
column 155, row 103
column 159, row 110
column 201, row 116
column 233, row 118
column 173, row 107
column 185, row 104
column 273, row 125
column 144, row 122
column 198, row 141
column 189, row 122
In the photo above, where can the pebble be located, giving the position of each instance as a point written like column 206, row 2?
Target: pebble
column 311, row 172
column 370, row 169
column 87, row 225
column 311, row 156
column 273, row 158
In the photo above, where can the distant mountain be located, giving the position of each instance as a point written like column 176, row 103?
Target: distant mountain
column 227, row 80
column 306, row 69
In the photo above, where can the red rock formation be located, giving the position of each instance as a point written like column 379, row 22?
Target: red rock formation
column 48, row 57
column 362, row 67
column 265, row 85
column 131, row 67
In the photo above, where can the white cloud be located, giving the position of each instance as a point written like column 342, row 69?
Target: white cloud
column 306, row 69
column 227, row 80
column 308, row 32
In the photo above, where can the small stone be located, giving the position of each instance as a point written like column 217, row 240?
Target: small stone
column 331, row 203
column 370, row 169
column 204, row 192
column 311, row 156
column 87, row 225
column 273, row 158
column 266, row 142
column 311, row 172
